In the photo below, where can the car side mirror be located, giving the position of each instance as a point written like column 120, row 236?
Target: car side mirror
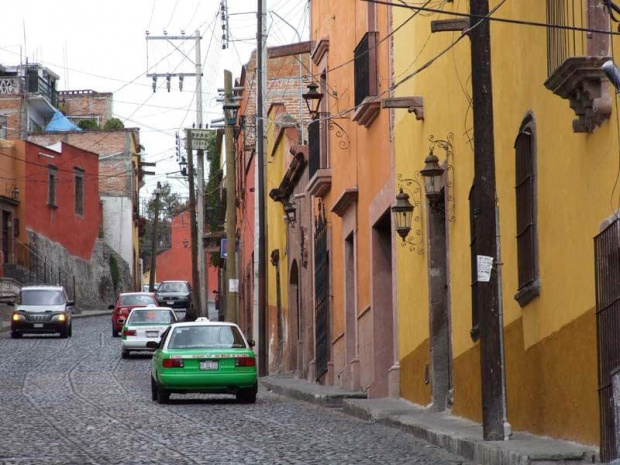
column 10, row 303
column 152, row 345
column 110, row 307
column 251, row 342
column 70, row 303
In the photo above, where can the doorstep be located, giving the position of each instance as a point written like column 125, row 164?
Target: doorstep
column 464, row 437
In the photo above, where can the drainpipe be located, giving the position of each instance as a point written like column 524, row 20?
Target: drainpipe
column 502, row 353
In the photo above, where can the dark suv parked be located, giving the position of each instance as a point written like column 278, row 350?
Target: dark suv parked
column 175, row 294
column 42, row 310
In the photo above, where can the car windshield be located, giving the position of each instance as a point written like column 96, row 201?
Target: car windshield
column 206, row 337
column 150, row 316
column 42, row 297
column 172, row 287
column 137, row 300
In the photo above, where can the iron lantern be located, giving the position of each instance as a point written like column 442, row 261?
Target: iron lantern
column 313, row 99
column 433, row 176
column 15, row 193
column 403, row 214
column 209, row 213
column 230, row 113
column 291, row 213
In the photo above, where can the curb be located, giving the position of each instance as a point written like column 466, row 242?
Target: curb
column 332, row 399
column 464, row 438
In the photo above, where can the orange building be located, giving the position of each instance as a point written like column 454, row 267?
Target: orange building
column 352, row 181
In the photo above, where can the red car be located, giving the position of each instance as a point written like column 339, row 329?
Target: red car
column 125, row 303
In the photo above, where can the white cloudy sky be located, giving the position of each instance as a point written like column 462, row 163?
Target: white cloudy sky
column 100, row 45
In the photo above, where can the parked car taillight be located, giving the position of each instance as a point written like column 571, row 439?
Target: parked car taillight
column 129, row 332
column 245, row 362
column 172, row 363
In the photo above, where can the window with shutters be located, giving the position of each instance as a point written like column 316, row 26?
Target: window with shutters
column 79, row 192
column 526, row 210
column 51, row 186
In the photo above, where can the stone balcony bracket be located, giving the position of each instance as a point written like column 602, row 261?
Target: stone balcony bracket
column 367, row 111
column 581, row 81
column 321, row 183
column 413, row 105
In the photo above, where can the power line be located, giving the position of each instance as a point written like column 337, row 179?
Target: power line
column 493, row 18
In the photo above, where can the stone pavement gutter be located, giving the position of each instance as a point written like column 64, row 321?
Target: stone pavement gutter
column 457, row 435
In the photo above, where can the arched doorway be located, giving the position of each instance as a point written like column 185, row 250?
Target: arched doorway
column 294, row 319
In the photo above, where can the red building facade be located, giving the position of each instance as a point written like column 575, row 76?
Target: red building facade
column 62, row 192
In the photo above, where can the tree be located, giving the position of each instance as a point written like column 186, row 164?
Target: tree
column 113, row 124
column 169, row 203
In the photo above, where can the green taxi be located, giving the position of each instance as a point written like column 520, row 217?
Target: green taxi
column 203, row 357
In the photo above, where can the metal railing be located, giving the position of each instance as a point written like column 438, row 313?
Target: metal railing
column 365, row 67
column 565, row 43
column 30, row 268
column 36, row 85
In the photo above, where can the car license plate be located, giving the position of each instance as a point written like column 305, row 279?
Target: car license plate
column 170, row 302
column 152, row 334
column 209, row 365
column 38, row 325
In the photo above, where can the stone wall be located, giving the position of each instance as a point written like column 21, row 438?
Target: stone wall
column 94, row 278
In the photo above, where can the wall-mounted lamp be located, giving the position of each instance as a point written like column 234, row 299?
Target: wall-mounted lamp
column 313, row 99
column 403, row 213
column 433, row 176
column 209, row 213
column 15, row 193
column 230, row 113
column 291, row 213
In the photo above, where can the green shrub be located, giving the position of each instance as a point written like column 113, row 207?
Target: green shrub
column 112, row 124
column 88, row 124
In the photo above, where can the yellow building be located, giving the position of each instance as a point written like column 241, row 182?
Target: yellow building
column 556, row 155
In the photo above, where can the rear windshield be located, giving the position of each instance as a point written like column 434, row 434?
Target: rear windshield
column 151, row 316
column 42, row 297
column 206, row 337
column 172, row 287
column 140, row 300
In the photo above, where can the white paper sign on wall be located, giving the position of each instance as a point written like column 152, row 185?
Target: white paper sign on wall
column 233, row 285
column 484, row 266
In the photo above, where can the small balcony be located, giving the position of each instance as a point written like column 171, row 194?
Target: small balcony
column 366, row 80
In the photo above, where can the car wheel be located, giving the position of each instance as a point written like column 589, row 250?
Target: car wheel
column 125, row 354
column 246, row 396
column 163, row 395
column 64, row 332
column 16, row 335
column 153, row 389
column 70, row 331
column 115, row 333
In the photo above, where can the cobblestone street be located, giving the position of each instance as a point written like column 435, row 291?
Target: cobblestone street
column 76, row 401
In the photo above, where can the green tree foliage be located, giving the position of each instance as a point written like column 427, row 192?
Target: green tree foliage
column 88, row 124
column 113, row 124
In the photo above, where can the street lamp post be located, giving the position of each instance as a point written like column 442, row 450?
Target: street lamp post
column 433, row 175
column 154, row 240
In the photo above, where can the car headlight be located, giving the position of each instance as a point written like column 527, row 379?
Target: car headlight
column 18, row 317
column 60, row 317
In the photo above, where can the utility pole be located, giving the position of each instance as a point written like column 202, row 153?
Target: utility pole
column 260, row 314
column 197, row 246
column 203, row 304
column 232, row 292
column 485, row 226
column 191, row 313
column 154, row 240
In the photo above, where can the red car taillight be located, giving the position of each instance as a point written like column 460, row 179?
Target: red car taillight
column 245, row 362
column 129, row 332
column 172, row 363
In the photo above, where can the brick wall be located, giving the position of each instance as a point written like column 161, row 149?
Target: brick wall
column 86, row 103
column 11, row 107
column 110, row 146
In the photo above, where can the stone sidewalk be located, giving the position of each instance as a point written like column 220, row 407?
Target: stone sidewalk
column 457, row 435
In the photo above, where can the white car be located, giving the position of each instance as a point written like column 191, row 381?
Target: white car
column 143, row 325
